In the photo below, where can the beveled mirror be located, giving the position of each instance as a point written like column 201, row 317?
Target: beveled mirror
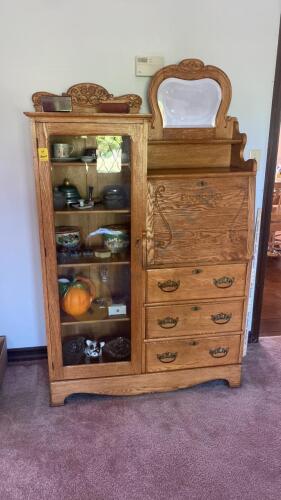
column 189, row 96
column 189, row 103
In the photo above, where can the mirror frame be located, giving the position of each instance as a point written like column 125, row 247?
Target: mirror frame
column 190, row 69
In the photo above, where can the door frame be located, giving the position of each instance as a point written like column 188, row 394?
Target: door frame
column 134, row 127
column 272, row 151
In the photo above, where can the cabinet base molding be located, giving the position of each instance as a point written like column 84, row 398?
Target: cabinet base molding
column 144, row 383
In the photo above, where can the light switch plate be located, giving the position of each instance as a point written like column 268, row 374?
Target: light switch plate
column 148, row 65
column 256, row 154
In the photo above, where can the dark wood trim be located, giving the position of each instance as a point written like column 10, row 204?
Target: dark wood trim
column 27, row 354
column 272, row 152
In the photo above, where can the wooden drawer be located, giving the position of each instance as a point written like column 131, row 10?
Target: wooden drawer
column 189, row 283
column 192, row 353
column 194, row 319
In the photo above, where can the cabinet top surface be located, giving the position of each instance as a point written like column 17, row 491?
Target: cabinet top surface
column 69, row 116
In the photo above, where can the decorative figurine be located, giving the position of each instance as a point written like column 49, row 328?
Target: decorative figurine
column 93, row 351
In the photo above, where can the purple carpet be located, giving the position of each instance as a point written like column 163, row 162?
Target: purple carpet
column 208, row 442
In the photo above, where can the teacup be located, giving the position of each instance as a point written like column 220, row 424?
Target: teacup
column 62, row 150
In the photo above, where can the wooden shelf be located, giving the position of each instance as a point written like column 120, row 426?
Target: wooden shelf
column 98, row 209
column 195, row 141
column 180, row 172
column 81, row 163
column 118, row 259
column 94, row 315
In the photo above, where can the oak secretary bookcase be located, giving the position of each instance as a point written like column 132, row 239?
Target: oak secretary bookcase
column 187, row 212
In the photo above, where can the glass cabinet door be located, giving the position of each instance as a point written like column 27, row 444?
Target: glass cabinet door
column 91, row 189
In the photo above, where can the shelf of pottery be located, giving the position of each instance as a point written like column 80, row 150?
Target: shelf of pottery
column 91, row 179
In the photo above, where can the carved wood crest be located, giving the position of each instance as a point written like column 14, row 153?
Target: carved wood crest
column 88, row 98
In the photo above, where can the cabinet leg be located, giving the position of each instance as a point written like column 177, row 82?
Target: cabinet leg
column 57, row 399
column 234, row 381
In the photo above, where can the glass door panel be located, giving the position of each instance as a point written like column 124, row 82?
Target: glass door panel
column 91, row 181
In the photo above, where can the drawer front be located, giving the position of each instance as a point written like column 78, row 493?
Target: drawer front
column 193, row 220
column 192, row 319
column 192, row 353
column 190, row 283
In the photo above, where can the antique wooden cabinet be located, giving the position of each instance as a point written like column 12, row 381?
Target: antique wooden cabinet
column 167, row 309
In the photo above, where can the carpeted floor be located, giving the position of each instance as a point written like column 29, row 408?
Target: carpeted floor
column 208, row 442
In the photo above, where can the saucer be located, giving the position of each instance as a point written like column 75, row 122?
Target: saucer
column 78, row 207
column 66, row 160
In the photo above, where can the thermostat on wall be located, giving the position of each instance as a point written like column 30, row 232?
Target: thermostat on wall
column 147, row 66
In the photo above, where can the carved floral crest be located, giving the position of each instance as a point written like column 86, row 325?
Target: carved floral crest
column 86, row 97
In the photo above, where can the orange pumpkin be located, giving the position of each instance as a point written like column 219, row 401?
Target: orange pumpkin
column 79, row 296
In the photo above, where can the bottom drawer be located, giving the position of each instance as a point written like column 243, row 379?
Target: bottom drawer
column 192, row 353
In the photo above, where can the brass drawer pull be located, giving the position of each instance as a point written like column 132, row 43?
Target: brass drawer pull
column 169, row 285
column 219, row 352
column 221, row 318
column 197, row 271
column 196, row 308
column 224, row 282
column 168, row 322
column 167, row 357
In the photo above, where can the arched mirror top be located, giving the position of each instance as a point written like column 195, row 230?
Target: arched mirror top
column 189, row 96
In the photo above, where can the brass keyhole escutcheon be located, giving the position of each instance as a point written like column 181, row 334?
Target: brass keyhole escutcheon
column 197, row 271
column 202, row 183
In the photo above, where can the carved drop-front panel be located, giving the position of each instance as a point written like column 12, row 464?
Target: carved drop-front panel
column 193, row 219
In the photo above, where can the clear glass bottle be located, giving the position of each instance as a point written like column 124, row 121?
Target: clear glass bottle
column 105, row 298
